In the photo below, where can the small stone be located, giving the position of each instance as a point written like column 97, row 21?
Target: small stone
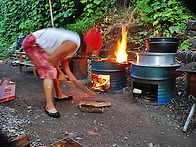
column 12, row 131
column 72, row 135
column 179, row 93
column 78, row 138
column 150, row 144
column 38, row 140
column 29, row 107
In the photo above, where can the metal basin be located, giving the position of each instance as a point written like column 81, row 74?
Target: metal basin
column 153, row 72
column 156, row 59
column 162, row 39
column 162, row 44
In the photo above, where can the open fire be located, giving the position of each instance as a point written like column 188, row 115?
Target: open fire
column 121, row 54
column 102, row 81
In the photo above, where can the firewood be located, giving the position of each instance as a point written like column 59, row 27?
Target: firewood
column 95, row 103
column 91, row 109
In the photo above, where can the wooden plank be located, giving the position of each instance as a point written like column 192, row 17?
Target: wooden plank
column 28, row 63
column 93, row 106
column 90, row 109
column 95, row 103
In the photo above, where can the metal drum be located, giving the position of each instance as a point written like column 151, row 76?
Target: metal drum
column 156, row 59
column 117, row 72
column 163, row 77
column 155, row 73
column 162, row 44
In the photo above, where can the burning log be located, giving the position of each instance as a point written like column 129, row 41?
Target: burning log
column 93, row 107
column 100, row 82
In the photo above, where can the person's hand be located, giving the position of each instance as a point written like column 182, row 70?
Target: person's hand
column 61, row 77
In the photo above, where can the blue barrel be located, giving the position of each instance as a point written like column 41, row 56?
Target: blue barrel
column 162, row 76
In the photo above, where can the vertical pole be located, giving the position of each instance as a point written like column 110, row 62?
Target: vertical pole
column 51, row 13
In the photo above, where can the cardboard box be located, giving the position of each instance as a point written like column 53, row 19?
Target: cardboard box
column 7, row 90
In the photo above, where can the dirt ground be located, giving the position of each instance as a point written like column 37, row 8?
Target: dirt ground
column 129, row 122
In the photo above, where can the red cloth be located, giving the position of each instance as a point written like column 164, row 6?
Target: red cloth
column 39, row 58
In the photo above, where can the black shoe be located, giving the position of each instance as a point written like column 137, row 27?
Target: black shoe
column 55, row 115
column 63, row 99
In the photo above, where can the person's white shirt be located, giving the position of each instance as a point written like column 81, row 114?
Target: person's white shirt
column 49, row 39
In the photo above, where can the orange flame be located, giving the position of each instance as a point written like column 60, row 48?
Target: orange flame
column 121, row 54
column 100, row 82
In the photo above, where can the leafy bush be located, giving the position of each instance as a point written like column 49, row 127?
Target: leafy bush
column 164, row 13
column 168, row 17
column 22, row 17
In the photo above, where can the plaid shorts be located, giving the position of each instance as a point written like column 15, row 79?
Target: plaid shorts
column 39, row 58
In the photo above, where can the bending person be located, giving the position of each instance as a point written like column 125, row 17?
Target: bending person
column 46, row 47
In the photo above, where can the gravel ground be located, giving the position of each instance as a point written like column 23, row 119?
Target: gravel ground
column 128, row 122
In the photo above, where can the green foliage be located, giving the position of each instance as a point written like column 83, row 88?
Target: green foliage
column 185, row 45
column 163, row 14
column 22, row 17
column 81, row 25
column 166, row 16
column 93, row 10
column 108, row 37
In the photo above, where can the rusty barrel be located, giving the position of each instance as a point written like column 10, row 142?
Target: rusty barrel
column 79, row 68
column 190, row 83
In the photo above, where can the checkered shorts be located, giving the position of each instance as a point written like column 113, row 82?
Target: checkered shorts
column 39, row 58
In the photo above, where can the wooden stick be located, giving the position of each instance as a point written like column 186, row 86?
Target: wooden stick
column 51, row 13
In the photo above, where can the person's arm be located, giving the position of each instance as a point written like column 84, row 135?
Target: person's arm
column 66, row 69
column 79, row 85
column 62, row 51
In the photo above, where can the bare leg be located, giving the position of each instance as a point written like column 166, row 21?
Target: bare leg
column 48, row 85
column 57, row 90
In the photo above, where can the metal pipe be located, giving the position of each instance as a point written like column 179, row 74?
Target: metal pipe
column 189, row 117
